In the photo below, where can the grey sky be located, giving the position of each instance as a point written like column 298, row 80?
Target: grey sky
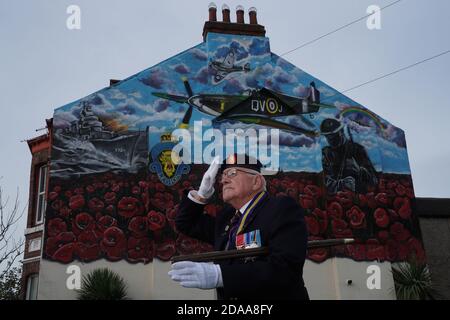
column 43, row 65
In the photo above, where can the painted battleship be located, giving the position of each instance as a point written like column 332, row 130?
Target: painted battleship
column 88, row 146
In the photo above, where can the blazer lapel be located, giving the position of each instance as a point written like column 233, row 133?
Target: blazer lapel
column 256, row 210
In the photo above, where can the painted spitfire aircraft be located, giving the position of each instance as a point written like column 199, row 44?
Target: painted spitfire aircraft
column 227, row 66
column 261, row 106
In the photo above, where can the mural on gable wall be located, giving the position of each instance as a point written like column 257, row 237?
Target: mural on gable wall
column 114, row 190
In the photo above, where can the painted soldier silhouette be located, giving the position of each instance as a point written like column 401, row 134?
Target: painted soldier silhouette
column 346, row 164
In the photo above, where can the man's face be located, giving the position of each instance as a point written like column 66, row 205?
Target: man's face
column 237, row 184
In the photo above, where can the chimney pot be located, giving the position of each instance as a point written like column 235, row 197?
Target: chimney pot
column 252, row 15
column 240, row 14
column 212, row 8
column 225, row 13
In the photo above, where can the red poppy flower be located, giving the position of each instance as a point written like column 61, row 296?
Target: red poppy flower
column 410, row 193
column 307, row 201
column 56, row 226
column 79, row 191
column 96, row 205
column 381, row 217
column 313, row 191
column 362, row 200
column 403, row 207
column 356, row 217
column 114, row 243
column 399, row 232
column 87, row 247
column 392, row 184
column 340, row 229
column 57, row 205
column 106, row 222
column 187, row 245
column 383, row 236
column 345, row 198
column 68, row 193
column 382, row 199
column 57, row 189
column 140, row 249
column 115, row 188
column 65, row 211
column 312, row 225
column 129, row 207
column 371, row 202
column 83, row 222
column 335, row 210
column 65, row 253
column 322, row 218
column 76, row 202
column 143, row 184
column 110, row 197
column 110, row 209
column 374, row 250
column 318, row 254
column 54, row 243
column 172, row 213
column 156, row 220
column 138, row 226
column 160, row 187
column 90, row 189
column 136, row 190
column 356, row 251
column 165, row 250
column 400, row 190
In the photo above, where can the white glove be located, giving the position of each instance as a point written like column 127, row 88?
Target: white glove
column 206, row 189
column 197, row 274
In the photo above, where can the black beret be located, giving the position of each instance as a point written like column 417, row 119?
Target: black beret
column 241, row 161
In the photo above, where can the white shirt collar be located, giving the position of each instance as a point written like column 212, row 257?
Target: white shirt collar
column 244, row 207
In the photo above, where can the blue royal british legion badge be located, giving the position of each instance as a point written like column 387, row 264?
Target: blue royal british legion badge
column 162, row 164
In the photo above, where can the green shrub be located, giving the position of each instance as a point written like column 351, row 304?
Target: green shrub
column 102, row 284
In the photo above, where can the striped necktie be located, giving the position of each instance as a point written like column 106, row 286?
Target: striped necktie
column 234, row 224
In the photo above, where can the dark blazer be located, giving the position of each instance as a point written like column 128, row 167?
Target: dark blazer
column 282, row 227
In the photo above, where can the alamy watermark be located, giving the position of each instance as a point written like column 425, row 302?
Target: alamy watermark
column 261, row 144
column 73, row 21
column 374, row 20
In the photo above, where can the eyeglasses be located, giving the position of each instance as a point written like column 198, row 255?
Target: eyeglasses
column 231, row 173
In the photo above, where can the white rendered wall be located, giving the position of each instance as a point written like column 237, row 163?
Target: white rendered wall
column 325, row 281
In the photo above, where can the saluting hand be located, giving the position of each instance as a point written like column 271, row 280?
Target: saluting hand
column 206, row 189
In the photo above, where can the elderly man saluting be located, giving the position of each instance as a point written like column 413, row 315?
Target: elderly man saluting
column 251, row 218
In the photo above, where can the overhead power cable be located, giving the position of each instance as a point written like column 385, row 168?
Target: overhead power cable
column 336, row 30
column 391, row 73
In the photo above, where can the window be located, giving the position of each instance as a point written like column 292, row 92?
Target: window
column 42, row 187
column 32, row 286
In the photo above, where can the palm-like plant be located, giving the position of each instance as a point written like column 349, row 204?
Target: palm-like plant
column 102, row 284
column 412, row 281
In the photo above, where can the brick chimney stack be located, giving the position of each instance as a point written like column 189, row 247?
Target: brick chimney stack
column 226, row 26
column 212, row 12
column 252, row 15
column 240, row 14
column 226, row 13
